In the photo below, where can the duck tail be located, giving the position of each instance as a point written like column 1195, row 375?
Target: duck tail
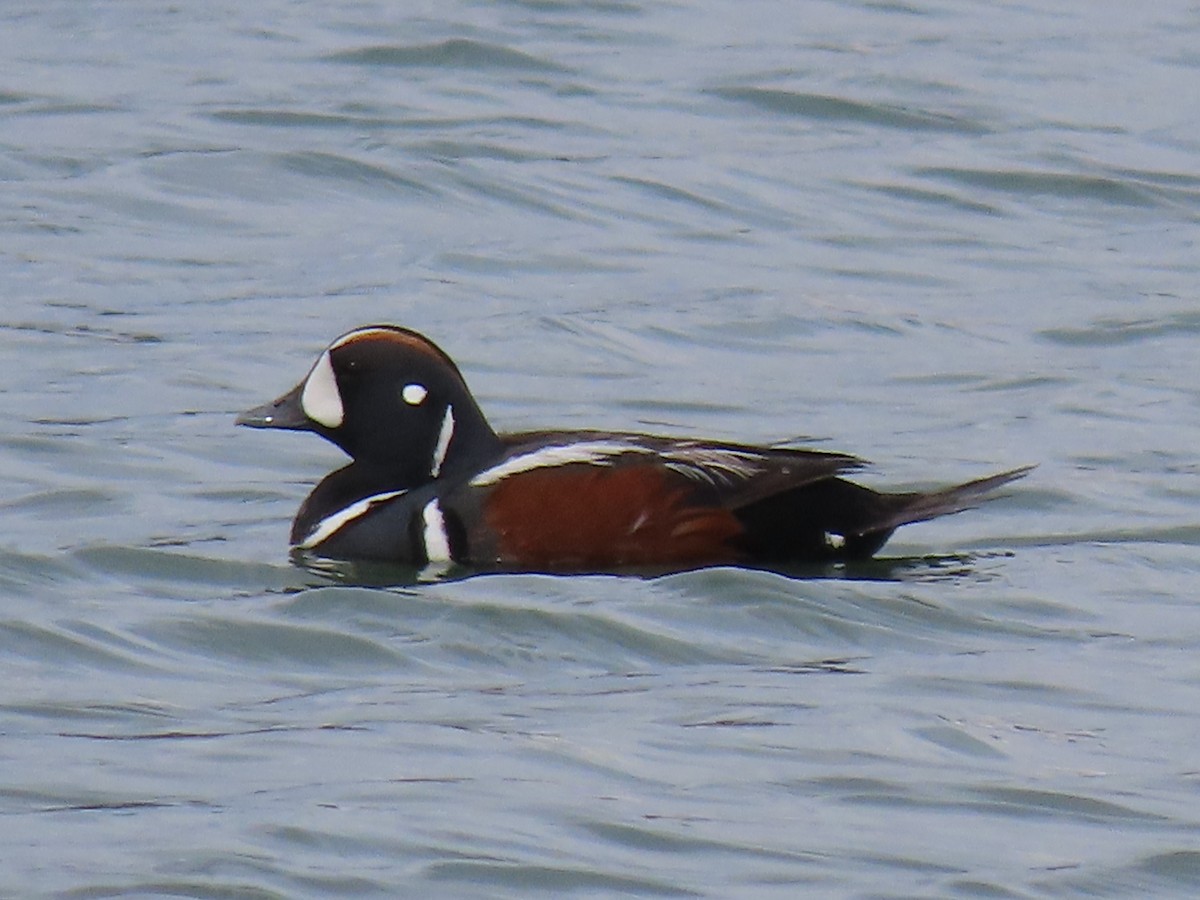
column 920, row 506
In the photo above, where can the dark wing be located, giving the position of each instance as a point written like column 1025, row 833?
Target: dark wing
column 731, row 475
column 743, row 475
column 601, row 500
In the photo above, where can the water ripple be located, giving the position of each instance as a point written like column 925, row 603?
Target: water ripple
column 942, row 238
column 328, row 166
column 824, row 107
column 71, row 645
column 1064, row 185
column 1110, row 332
column 459, row 53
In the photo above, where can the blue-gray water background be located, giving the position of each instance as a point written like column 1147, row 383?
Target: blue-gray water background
column 951, row 237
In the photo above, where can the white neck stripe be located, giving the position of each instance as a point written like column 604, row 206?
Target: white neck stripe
column 443, row 442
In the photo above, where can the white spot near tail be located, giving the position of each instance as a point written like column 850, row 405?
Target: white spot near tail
column 333, row 523
column 414, row 394
column 443, row 442
column 321, row 400
column 437, row 542
column 834, row 541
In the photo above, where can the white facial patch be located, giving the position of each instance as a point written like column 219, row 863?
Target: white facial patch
column 320, row 399
column 443, row 442
column 414, row 394
column 433, row 533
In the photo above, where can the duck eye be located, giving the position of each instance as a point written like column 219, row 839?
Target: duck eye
column 414, row 394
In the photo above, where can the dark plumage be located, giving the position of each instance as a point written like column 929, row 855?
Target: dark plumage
column 430, row 481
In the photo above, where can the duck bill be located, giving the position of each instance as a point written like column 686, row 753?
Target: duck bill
column 285, row 412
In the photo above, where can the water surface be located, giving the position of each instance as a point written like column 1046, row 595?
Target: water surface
column 950, row 238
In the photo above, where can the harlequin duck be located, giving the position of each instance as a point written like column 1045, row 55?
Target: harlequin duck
column 431, row 482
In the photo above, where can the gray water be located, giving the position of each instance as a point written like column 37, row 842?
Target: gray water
column 949, row 237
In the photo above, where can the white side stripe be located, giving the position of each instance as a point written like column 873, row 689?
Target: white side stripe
column 437, row 542
column 443, row 442
column 713, row 465
column 331, row 524
column 582, row 451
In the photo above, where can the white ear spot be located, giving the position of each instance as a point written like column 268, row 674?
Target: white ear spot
column 320, row 399
column 414, row 394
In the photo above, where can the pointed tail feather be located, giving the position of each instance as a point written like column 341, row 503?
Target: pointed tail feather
column 922, row 506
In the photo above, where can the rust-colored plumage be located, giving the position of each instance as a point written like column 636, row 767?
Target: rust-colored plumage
column 588, row 517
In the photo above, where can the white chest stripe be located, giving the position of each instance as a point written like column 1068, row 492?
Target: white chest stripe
column 437, row 542
column 443, row 442
column 331, row 524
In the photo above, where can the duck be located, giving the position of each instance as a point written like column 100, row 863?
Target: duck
column 430, row 482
